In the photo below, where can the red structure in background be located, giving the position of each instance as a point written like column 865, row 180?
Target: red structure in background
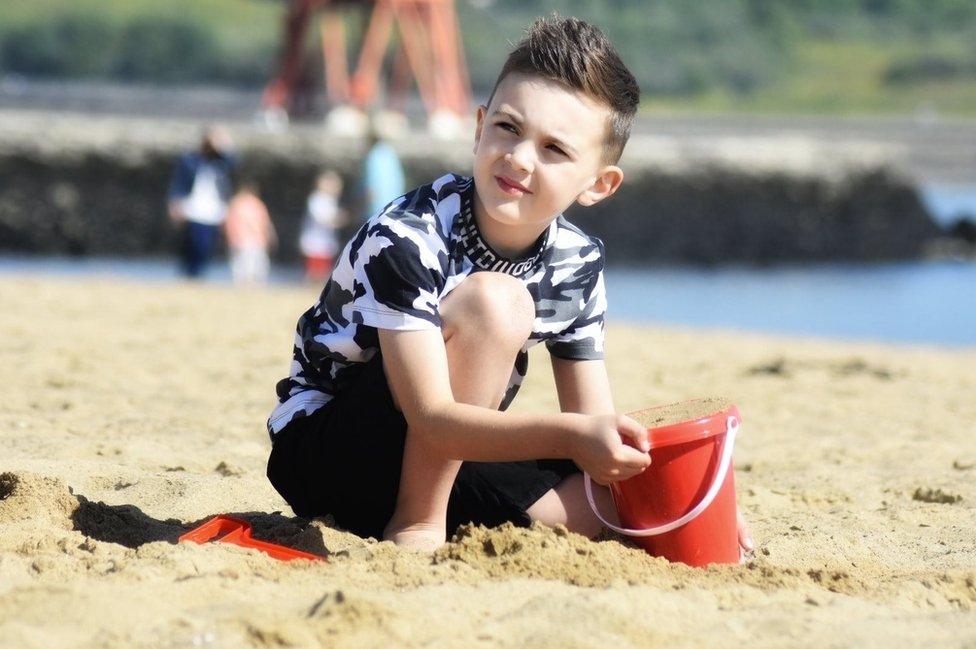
column 428, row 51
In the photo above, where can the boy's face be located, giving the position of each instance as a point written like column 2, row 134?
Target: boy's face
column 539, row 148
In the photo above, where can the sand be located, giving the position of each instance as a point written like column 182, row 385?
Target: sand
column 670, row 414
column 134, row 411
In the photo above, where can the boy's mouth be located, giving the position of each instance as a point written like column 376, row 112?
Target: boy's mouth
column 511, row 187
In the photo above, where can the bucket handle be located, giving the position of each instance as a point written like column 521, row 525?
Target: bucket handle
column 731, row 430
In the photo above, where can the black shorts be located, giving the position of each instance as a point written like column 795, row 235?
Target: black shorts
column 344, row 459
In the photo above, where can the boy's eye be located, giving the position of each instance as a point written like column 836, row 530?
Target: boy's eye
column 506, row 126
column 556, row 149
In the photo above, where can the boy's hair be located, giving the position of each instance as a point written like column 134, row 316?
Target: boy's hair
column 579, row 55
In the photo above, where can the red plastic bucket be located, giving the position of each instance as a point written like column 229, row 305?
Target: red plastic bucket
column 683, row 506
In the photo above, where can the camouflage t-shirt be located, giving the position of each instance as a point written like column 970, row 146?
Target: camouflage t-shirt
column 405, row 260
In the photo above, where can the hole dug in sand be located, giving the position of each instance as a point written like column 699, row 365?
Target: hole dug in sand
column 122, row 524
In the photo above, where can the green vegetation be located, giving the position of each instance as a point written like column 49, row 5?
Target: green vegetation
column 831, row 56
column 223, row 41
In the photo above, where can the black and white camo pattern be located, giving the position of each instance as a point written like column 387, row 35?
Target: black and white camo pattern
column 404, row 260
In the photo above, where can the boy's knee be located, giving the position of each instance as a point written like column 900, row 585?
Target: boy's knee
column 493, row 304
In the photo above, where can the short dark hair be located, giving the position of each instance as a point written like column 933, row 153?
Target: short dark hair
column 578, row 55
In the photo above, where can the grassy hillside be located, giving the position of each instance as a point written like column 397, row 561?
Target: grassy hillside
column 232, row 21
column 828, row 77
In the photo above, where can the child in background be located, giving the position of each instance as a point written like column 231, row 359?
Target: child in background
column 318, row 241
column 250, row 233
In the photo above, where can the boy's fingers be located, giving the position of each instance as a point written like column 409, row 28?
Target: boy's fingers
column 625, row 473
column 630, row 428
column 633, row 458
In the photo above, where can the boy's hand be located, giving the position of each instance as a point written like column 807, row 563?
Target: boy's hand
column 599, row 448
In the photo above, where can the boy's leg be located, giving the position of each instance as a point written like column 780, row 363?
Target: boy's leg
column 566, row 504
column 486, row 321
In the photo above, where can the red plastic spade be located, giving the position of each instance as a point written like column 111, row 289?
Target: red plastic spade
column 226, row 529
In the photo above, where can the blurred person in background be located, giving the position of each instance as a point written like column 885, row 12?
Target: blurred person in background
column 250, row 235
column 319, row 240
column 198, row 194
column 382, row 174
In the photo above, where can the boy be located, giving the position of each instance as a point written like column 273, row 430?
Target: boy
column 393, row 417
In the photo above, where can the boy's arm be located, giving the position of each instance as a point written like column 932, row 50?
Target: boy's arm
column 417, row 371
column 582, row 386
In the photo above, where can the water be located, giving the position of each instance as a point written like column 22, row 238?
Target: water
column 151, row 270
column 948, row 203
column 916, row 302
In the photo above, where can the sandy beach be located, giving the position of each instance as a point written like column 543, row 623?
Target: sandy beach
column 134, row 411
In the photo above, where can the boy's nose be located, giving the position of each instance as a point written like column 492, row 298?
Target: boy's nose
column 520, row 157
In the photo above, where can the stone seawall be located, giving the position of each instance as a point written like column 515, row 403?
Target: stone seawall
column 85, row 186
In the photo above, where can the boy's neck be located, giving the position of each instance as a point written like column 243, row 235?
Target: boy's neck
column 511, row 241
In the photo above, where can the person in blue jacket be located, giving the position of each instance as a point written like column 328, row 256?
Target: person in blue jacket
column 197, row 200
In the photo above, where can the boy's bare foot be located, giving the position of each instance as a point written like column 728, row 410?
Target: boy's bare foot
column 418, row 537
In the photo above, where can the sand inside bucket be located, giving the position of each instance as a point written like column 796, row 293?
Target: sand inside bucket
column 675, row 413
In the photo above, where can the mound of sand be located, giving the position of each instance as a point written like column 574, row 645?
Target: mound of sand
column 130, row 423
column 28, row 498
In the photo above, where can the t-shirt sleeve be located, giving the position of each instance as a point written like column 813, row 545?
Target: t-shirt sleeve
column 583, row 338
column 398, row 274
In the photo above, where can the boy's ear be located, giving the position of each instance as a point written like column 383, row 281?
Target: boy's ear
column 607, row 181
column 479, row 125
